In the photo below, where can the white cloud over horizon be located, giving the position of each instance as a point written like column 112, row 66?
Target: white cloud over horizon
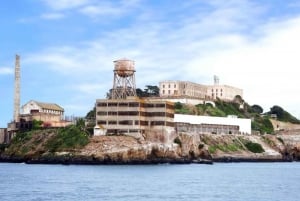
column 240, row 41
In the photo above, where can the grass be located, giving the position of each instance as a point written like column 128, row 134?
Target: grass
column 254, row 147
column 67, row 138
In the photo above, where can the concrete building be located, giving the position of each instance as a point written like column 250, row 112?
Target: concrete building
column 125, row 113
column 223, row 92
column 3, row 135
column 134, row 116
column 50, row 114
column 215, row 125
column 181, row 89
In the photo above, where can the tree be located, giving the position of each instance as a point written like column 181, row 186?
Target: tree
column 257, row 109
column 151, row 90
column 91, row 114
column 178, row 106
column 277, row 110
column 80, row 123
column 140, row 93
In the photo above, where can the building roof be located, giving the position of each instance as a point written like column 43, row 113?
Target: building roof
column 49, row 106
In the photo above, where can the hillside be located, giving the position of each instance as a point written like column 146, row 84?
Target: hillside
column 261, row 121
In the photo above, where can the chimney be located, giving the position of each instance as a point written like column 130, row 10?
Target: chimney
column 17, row 90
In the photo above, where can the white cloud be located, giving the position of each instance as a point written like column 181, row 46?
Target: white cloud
column 6, row 71
column 52, row 16
column 65, row 4
column 92, row 8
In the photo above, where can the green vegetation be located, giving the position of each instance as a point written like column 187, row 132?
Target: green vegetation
column 68, row 138
column 241, row 109
column 36, row 124
column 254, row 147
column 224, row 147
column 282, row 115
column 262, row 124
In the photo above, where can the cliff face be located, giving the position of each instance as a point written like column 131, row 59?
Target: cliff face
column 42, row 147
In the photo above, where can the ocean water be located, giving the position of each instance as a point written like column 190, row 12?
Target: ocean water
column 218, row 182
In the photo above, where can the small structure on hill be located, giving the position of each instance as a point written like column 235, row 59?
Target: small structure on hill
column 51, row 114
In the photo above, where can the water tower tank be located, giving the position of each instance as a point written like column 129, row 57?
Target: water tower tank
column 124, row 67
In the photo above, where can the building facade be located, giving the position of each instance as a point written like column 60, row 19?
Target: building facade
column 3, row 135
column 212, row 125
column 183, row 89
column 50, row 114
column 134, row 116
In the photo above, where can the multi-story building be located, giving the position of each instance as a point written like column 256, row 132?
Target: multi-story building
column 223, row 92
column 50, row 114
column 182, row 89
column 176, row 89
column 134, row 116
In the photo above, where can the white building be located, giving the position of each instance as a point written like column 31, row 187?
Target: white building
column 49, row 113
column 218, row 125
column 184, row 89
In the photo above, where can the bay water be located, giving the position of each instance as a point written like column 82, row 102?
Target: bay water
column 218, row 182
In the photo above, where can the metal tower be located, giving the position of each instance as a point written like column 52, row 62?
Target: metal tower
column 124, row 79
column 216, row 80
column 17, row 90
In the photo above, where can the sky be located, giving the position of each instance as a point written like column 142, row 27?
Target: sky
column 67, row 48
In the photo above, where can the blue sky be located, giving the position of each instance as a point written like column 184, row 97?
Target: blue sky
column 67, row 48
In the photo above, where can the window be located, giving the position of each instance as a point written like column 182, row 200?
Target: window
column 163, row 86
column 112, row 104
column 163, row 91
column 174, row 85
column 169, row 91
column 169, row 86
column 134, row 104
column 123, row 104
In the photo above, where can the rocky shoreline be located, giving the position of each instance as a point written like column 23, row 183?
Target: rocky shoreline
column 126, row 150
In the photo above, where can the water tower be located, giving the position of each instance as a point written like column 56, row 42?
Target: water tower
column 124, row 80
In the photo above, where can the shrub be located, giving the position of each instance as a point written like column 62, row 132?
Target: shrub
column 212, row 149
column 177, row 141
column 67, row 138
column 254, row 147
column 200, row 146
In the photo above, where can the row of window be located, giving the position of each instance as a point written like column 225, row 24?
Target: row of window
column 216, row 94
column 212, row 90
column 136, row 104
column 136, row 113
column 169, row 86
column 141, row 123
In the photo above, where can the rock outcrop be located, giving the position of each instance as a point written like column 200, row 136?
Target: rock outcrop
column 182, row 148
